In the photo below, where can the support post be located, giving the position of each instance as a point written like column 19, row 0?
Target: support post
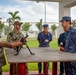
column 11, row 68
column 21, row 69
column 54, row 68
column 45, row 68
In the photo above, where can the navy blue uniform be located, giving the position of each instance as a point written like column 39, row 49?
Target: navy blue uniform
column 61, row 41
column 43, row 43
column 42, row 37
column 70, row 46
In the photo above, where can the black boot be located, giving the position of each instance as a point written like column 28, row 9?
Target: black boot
column 61, row 74
column 39, row 67
column 26, row 71
column 39, row 70
column 0, row 73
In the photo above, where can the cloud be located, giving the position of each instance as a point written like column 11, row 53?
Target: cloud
column 73, row 12
column 32, row 11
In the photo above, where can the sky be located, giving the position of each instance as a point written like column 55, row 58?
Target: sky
column 28, row 10
column 31, row 11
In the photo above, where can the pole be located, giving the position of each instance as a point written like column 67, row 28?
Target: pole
column 54, row 68
column 45, row 11
column 40, row 25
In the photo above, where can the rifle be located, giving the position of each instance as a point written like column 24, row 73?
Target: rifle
column 18, row 48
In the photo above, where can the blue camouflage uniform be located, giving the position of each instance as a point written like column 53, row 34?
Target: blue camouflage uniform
column 61, row 41
column 41, row 38
column 70, row 46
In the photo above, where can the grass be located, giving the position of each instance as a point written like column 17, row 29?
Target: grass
column 33, row 43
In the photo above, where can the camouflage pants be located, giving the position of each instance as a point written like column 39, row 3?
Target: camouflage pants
column 70, row 68
column 0, row 70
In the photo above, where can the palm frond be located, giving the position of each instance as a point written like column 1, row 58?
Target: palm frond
column 15, row 13
column 11, row 13
column 17, row 17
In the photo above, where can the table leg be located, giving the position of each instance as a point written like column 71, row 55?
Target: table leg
column 45, row 69
column 21, row 69
column 54, row 68
column 11, row 68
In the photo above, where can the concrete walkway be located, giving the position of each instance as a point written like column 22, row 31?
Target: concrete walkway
column 32, row 72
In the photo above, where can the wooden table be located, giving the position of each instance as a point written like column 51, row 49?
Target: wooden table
column 44, row 55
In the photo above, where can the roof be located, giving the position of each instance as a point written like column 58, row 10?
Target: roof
column 44, row 0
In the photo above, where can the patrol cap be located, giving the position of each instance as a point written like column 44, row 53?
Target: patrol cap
column 17, row 23
column 66, row 18
column 45, row 25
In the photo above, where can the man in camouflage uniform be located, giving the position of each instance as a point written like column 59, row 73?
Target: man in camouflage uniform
column 15, row 36
column 70, row 44
column 9, row 45
column 2, row 59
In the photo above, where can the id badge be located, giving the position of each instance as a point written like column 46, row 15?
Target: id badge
column 61, row 43
column 46, row 40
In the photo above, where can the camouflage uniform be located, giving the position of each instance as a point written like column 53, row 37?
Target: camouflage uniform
column 61, row 42
column 70, row 46
column 2, row 59
column 14, row 37
column 41, row 38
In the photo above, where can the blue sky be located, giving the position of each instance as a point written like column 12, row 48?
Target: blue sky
column 28, row 10
column 32, row 11
column 10, row 2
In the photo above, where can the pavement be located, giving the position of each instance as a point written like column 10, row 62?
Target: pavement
column 32, row 72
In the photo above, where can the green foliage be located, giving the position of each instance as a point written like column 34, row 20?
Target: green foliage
column 1, row 27
column 26, row 26
column 9, row 20
column 7, row 29
column 39, row 25
column 14, row 16
column 74, row 23
column 53, row 27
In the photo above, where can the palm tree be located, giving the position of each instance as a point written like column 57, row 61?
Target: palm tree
column 53, row 27
column 26, row 26
column 39, row 25
column 9, row 20
column 74, row 23
column 1, row 27
column 14, row 16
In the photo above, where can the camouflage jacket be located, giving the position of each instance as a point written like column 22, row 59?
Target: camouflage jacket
column 2, row 58
column 14, row 36
column 70, row 41
column 70, row 46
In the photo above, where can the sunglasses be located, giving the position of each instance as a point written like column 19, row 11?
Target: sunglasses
column 19, row 24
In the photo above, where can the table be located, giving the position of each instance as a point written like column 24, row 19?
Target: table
column 45, row 54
